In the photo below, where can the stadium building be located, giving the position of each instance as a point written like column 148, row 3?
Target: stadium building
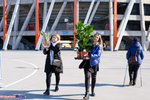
column 118, row 21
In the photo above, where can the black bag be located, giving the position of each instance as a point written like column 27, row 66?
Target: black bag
column 83, row 64
column 133, row 58
column 56, row 62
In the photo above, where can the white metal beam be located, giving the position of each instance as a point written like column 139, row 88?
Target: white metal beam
column 58, row 17
column 111, row 23
column 94, row 11
column 143, row 26
column 24, row 26
column 7, row 10
column 124, row 23
column 15, row 29
column 45, row 24
column 89, row 12
column 11, row 25
column 44, row 11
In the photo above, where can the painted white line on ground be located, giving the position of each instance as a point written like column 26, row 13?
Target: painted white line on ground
column 36, row 68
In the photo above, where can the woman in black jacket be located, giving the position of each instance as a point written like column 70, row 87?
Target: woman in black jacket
column 53, row 52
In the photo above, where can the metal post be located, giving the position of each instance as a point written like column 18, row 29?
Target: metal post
column 7, row 10
column 143, row 26
column 115, row 25
column 4, row 21
column 37, row 22
column 58, row 17
column 124, row 23
column 89, row 12
column 148, row 38
column 15, row 29
column 111, row 23
column 75, row 20
column 45, row 24
column 24, row 26
column 11, row 25
column 94, row 11
column 44, row 11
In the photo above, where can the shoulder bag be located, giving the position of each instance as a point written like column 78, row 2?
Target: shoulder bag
column 134, row 58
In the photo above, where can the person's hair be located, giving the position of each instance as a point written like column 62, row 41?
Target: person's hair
column 100, row 42
column 57, row 35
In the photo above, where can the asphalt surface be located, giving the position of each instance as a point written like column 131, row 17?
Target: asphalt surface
column 23, row 77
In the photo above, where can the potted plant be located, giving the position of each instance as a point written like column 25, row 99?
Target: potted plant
column 83, row 35
column 46, row 41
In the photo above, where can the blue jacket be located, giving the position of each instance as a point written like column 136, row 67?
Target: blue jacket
column 132, row 50
column 95, row 54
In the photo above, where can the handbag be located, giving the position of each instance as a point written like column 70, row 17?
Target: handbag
column 134, row 58
column 83, row 64
column 56, row 62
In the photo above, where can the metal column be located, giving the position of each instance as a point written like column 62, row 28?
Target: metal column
column 4, row 21
column 45, row 24
column 89, row 12
column 143, row 26
column 44, row 11
column 94, row 11
column 15, row 29
column 11, row 25
column 24, row 26
column 111, row 24
column 7, row 10
column 115, row 25
column 124, row 23
column 36, row 21
column 75, row 20
column 58, row 17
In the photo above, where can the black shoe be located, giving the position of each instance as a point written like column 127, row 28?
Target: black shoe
column 56, row 88
column 134, row 84
column 46, row 92
column 131, row 82
column 93, row 94
column 86, row 97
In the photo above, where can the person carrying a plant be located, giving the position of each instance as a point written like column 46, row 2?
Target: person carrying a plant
column 92, row 65
column 53, row 52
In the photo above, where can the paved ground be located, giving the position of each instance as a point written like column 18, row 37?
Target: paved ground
column 23, row 76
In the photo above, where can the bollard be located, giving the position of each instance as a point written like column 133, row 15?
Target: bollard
column 1, row 84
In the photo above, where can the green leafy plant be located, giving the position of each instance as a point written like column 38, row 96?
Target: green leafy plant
column 83, row 35
column 45, row 36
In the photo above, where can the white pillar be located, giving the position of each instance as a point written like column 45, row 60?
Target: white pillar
column 45, row 24
column 89, row 12
column 11, row 25
column 15, row 29
column 124, row 23
column 111, row 24
column 25, row 24
column 58, row 17
column 143, row 26
column 44, row 11
column 94, row 11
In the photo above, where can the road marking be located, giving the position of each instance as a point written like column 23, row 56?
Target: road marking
column 36, row 68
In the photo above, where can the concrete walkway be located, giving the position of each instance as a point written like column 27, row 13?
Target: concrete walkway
column 24, row 77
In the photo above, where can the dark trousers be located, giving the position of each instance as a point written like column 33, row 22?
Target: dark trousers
column 48, row 79
column 90, row 72
column 133, row 71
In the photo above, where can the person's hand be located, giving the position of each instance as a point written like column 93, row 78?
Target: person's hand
column 87, row 57
column 46, row 44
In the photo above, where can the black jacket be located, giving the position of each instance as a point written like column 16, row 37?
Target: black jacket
column 57, row 55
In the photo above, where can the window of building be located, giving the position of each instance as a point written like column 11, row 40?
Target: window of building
column 147, row 24
column 146, row 9
column 131, row 25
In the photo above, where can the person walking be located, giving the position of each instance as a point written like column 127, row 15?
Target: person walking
column 92, row 65
column 134, row 49
column 53, row 52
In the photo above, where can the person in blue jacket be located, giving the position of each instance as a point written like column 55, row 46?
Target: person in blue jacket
column 134, row 66
column 92, row 65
